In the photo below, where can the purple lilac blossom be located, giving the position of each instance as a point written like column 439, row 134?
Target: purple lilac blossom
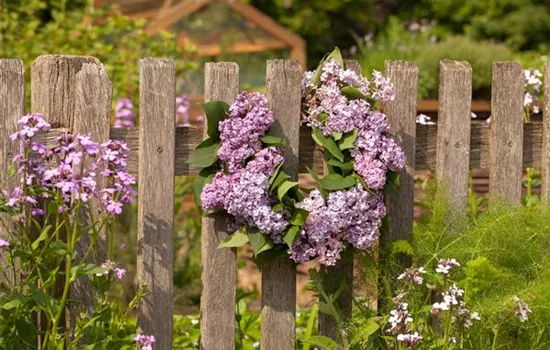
column 400, row 319
column 410, row 340
column 249, row 119
column 348, row 216
column 111, row 267
column 144, row 341
column 3, row 244
column 325, row 107
column 522, row 309
column 244, row 192
column 125, row 116
column 71, row 170
column 444, row 266
column 413, row 275
column 183, row 105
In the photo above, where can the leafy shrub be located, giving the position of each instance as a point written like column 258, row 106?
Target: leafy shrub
column 481, row 56
column 29, row 28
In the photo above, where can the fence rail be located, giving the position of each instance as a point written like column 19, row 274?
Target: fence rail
column 74, row 93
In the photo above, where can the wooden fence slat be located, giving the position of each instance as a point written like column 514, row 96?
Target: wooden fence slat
column 74, row 92
column 12, row 108
column 283, row 83
column 453, row 141
column 219, row 266
column 506, row 137
column 157, row 94
column 402, row 119
column 342, row 271
column 545, row 161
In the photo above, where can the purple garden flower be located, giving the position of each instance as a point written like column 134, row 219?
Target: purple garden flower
column 3, row 244
column 244, row 192
column 124, row 114
column 249, row 119
column 349, row 216
column 144, row 341
column 522, row 309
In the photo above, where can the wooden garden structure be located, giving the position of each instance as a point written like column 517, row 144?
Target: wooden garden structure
column 74, row 93
column 205, row 23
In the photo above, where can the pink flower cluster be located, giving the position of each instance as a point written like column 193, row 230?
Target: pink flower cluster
column 144, row 341
column 327, row 108
column 353, row 215
column 111, row 268
column 69, row 171
column 244, row 192
column 249, row 119
column 124, row 114
column 349, row 216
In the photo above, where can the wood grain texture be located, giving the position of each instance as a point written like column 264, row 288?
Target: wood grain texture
column 219, row 266
column 157, row 94
column 12, row 108
column 506, row 137
column 453, row 141
column 278, row 317
column 545, row 162
column 333, row 276
column 188, row 137
column 74, row 92
column 402, row 119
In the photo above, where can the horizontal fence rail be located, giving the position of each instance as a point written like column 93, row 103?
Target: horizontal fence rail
column 74, row 93
column 311, row 155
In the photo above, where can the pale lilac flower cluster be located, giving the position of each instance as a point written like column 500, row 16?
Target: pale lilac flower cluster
column 245, row 195
column 400, row 320
column 125, row 117
column 445, row 265
column 410, row 340
column 249, row 119
column 533, row 84
column 183, row 105
column 244, row 192
column 69, row 171
column 111, row 268
column 522, row 309
column 3, row 244
column 451, row 298
column 325, row 107
column 413, row 275
column 351, row 216
column 145, row 341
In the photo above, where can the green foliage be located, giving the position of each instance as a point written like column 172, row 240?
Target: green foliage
column 29, row 28
column 426, row 49
column 520, row 24
column 504, row 251
column 323, row 24
column 480, row 54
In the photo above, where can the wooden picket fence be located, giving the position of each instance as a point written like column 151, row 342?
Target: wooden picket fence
column 74, row 93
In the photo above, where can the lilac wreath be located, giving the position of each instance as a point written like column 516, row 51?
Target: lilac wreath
column 243, row 167
column 347, row 206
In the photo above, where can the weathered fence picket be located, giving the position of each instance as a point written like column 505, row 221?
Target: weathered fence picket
column 333, row 276
column 12, row 107
column 283, row 83
column 453, row 141
column 545, row 164
column 74, row 93
column 402, row 118
column 219, row 266
column 506, row 140
column 157, row 108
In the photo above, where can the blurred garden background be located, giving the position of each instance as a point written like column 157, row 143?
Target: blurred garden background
column 119, row 33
